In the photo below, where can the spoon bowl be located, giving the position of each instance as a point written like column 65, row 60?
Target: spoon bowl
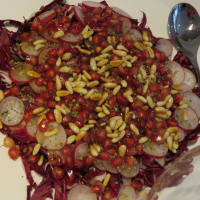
column 184, row 29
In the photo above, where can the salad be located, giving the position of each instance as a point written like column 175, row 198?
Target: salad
column 92, row 102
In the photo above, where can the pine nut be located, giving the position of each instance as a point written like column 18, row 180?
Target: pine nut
column 119, row 122
column 124, row 83
column 115, row 63
column 151, row 52
column 61, row 109
column 65, row 69
column 122, row 127
column 108, row 129
column 135, row 129
column 103, row 98
column 38, row 110
column 170, row 142
column 67, row 56
column 143, row 140
column 106, row 180
column 101, row 115
column 71, row 139
column 39, row 41
column 68, row 86
column 62, row 93
column 145, row 36
column 36, row 149
column 89, row 94
column 58, row 62
column 58, row 34
column 110, row 85
column 58, row 83
column 150, row 102
column 80, row 91
column 58, row 116
column 39, row 46
column 103, row 62
column 1, row 95
column 105, row 110
column 96, row 97
column 74, row 127
column 122, row 47
column 112, row 135
column 120, row 53
column 153, row 69
column 92, row 84
column 160, row 109
column 33, row 74
column 116, row 89
column 80, row 135
column 122, row 150
column 87, row 75
column 107, row 49
column 50, row 132
column 41, row 160
column 142, row 99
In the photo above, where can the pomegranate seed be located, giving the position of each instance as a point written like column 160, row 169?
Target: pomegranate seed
column 136, row 185
column 39, row 101
column 117, row 161
column 129, row 142
column 14, row 90
column 55, row 160
column 69, row 162
column 13, row 152
column 43, row 125
column 33, row 159
column 79, row 164
column 58, row 173
column 104, row 156
column 88, row 160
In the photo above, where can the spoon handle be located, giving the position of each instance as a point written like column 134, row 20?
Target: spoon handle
column 196, row 67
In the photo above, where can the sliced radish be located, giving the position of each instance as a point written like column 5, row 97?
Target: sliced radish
column 165, row 46
column 126, row 181
column 99, row 164
column 28, row 49
column 31, row 127
column 53, row 142
column 127, row 171
column 126, row 25
column 37, row 89
column 92, row 4
column 79, row 14
column 18, row 73
column 108, row 166
column 11, row 111
column 135, row 35
column 178, row 73
column 81, row 150
column 71, row 38
column 19, row 128
column 121, row 12
column 152, row 149
column 47, row 16
column 160, row 161
column 192, row 119
column 193, row 101
column 81, row 192
column 182, row 135
column 189, row 80
column 127, row 192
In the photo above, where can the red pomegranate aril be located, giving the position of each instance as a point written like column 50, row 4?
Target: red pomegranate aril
column 40, row 69
column 131, row 151
column 142, row 114
column 39, row 81
column 104, row 156
column 107, row 144
column 177, row 98
column 50, row 116
column 53, row 53
column 129, row 142
column 69, row 161
column 79, row 123
column 51, row 104
column 101, row 135
column 79, row 164
column 46, row 95
column 46, row 67
column 67, row 150
column 171, row 122
column 149, row 124
column 33, row 159
column 139, row 149
column 122, row 100
column 43, row 125
column 14, row 90
column 111, row 151
column 51, row 61
column 51, row 85
column 129, row 160
column 27, row 115
column 50, row 74
column 148, row 132
column 58, row 172
column 108, row 194
column 13, row 152
column 39, row 101
column 97, row 188
column 117, row 161
column 88, row 160
column 136, row 185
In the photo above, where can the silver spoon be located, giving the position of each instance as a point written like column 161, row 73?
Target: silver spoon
column 184, row 29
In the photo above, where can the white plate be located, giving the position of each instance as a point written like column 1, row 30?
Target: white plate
column 12, row 178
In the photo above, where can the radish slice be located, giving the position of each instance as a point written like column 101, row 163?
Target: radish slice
column 121, row 12
column 54, row 142
column 81, row 192
column 47, row 16
column 127, row 192
column 18, row 129
column 31, row 127
column 108, row 166
column 105, row 166
column 79, row 14
column 165, row 46
column 92, row 4
column 81, row 151
column 178, row 73
column 135, row 35
column 99, row 164
column 19, row 73
column 189, row 80
column 71, row 38
column 152, row 149
column 37, row 89
column 126, row 25
column 28, row 49
column 193, row 101
column 127, row 171
column 192, row 118
column 160, row 161
column 11, row 111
